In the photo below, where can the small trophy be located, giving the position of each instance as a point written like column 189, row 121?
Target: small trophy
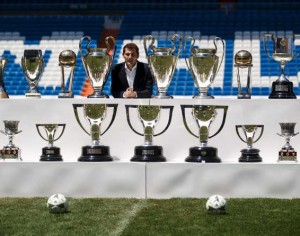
column 3, row 62
column 10, row 151
column 283, row 52
column 33, row 68
column 97, row 64
column 162, row 63
column 287, row 152
column 50, row 153
column 243, row 61
column 67, row 59
column 149, row 116
column 203, row 116
column 250, row 154
column 95, row 114
column 204, row 64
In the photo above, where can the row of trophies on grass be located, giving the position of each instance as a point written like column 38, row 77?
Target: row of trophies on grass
column 203, row 64
column 149, row 115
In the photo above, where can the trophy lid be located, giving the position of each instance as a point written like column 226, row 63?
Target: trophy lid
column 243, row 58
column 67, row 58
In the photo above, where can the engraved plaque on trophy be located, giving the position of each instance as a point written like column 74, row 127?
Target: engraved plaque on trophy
column 287, row 152
column 3, row 62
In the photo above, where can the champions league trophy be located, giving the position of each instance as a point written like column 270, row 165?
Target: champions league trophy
column 33, row 68
column 50, row 153
column 250, row 154
column 149, row 116
column 3, row 62
column 204, row 116
column 283, row 52
column 10, row 151
column 287, row 152
column 204, row 64
column 162, row 63
column 97, row 64
column 95, row 114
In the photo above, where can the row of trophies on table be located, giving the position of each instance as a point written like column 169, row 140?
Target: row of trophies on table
column 203, row 64
column 149, row 115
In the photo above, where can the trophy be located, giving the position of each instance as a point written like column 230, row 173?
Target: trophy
column 287, row 152
column 50, row 153
column 95, row 114
column 33, row 68
column 67, row 59
column 162, row 63
column 203, row 116
column 204, row 64
column 97, row 64
column 149, row 116
column 283, row 52
column 3, row 93
column 243, row 61
column 250, row 154
column 10, row 151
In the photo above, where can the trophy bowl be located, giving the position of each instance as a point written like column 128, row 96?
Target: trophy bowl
column 3, row 93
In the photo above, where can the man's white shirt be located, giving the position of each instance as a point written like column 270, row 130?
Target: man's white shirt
column 130, row 74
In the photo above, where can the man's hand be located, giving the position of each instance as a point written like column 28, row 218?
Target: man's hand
column 129, row 93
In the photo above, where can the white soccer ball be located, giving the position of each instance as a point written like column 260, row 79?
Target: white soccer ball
column 216, row 204
column 57, row 203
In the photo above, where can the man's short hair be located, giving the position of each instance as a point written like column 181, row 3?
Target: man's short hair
column 131, row 46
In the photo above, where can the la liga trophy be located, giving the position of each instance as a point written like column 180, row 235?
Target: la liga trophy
column 287, row 152
column 250, row 154
column 149, row 116
column 94, row 114
column 3, row 93
column 97, row 63
column 162, row 63
column 50, row 152
column 203, row 115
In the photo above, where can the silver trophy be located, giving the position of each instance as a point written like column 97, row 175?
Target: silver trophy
column 162, row 63
column 11, row 151
column 204, row 64
column 3, row 62
column 203, row 116
column 97, row 63
column 33, row 68
column 250, row 154
column 243, row 63
column 149, row 116
column 50, row 152
column 287, row 152
column 67, row 60
column 94, row 115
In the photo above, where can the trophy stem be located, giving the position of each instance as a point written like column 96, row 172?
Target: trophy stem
column 98, row 93
column 203, row 95
column 162, row 95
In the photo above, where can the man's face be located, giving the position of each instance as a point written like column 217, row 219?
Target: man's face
column 130, row 56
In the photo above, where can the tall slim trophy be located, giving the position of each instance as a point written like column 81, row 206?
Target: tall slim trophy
column 204, row 116
column 283, row 52
column 3, row 93
column 204, row 65
column 33, row 68
column 162, row 62
column 95, row 114
column 149, row 116
column 50, row 152
column 287, row 152
column 97, row 63
column 250, row 154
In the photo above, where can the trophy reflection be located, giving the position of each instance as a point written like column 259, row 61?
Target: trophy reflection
column 50, row 152
column 249, row 154
column 149, row 116
column 97, row 63
column 287, row 152
column 203, row 116
column 162, row 62
column 3, row 62
column 94, row 115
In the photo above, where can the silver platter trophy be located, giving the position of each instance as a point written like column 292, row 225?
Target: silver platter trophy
column 33, row 68
column 250, row 154
column 283, row 52
column 97, row 63
column 243, row 61
column 204, row 64
column 149, row 116
column 11, row 151
column 50, row 152
column 287, row 152
column 67, row 59
column 3, row 93
column 204, row 116
column 162, row 62
column 95, row 114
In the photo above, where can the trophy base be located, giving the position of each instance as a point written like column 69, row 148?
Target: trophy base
column 162, row 96
column 244, row 96
column 33, row 95
column 95, row 154
column 287, row 155
column 203, row 155
column 149, row 153
column 51, row 154
column 11, row 154
column 66, row 95
column 283, row 90
column 203, row 96
column 250, row 155
column 98, row 95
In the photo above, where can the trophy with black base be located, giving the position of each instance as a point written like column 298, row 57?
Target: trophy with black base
column 287, row 152
column 3, row 93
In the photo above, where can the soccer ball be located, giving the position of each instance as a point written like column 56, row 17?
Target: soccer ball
column 216, row 204
column 57, row 203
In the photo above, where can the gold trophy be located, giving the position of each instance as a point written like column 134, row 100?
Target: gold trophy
column 3, row 62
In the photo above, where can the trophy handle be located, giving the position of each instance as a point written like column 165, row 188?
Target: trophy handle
column 86, row 46
column 113, row 45
column 295, row 37
column 266, row 37
column 38, row 130
column 146, row 38
column 183, row 107
column 174, row 46
column 114, row 106
column 184, row 49
column 169, row 121
column 238, row 132
column 261, row 133
column 225, row 108
column 223, row 51
column 128, row 118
